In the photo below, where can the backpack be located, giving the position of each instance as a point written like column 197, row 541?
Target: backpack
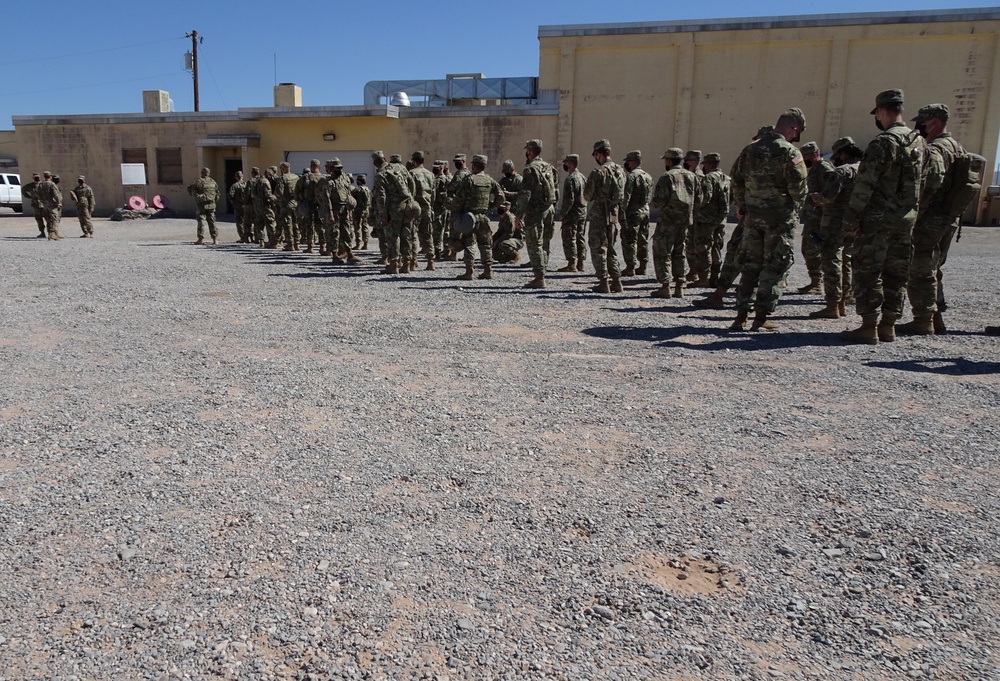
column 967, row 183
column 548, row 185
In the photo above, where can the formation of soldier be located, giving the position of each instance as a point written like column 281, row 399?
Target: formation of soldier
column 877, row 223
column 47, row 202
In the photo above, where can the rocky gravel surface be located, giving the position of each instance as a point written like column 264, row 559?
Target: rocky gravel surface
column 229, row 462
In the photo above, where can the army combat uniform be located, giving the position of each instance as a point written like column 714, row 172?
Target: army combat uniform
column 83, row 195
column 674, row 198
column 574, row 218
column 477, row 193
column 605, row 188
column 635, row 225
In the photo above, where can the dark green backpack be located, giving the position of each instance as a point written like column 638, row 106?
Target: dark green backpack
column 967, row 183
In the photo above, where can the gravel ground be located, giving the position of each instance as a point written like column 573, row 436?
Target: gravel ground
column 239, row 463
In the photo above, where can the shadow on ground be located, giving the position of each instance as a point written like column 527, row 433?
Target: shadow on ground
column 667, row 337
column 951, row 366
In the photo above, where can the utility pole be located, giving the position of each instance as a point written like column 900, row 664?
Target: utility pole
column 195, row 39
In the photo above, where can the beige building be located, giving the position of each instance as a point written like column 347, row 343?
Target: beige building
column 705, row 85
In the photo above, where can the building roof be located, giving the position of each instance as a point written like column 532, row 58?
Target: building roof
column 750, row 23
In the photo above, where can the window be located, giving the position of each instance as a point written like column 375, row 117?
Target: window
column 168, row 166
column 14, row 180
column 136, row 156
column 3, row 179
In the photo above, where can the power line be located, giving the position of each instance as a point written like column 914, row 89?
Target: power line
column 76, row 87
column 215, row 83
column 84, row 54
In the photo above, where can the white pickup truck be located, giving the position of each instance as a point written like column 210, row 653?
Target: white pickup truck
column 10, row 191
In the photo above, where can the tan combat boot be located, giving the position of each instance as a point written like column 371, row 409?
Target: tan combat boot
column 887, row 328
column 714, row 300
column 487, row 271
column 570, row 267
column 922, row 325
column 391, row 267
column 939, row 327
column 701, row 281
column 815, row 285
column 679, row 289
column 641, row 269
column 831, row 311
column 629, row 271
column 537, row 282
column 602, row 287
column 739, row 324
column 469, row 274
column 579, row 264
column 866, row 334
column 430, row 264
column 842, row 308
column 199, row 242
column 760, row 321
column 616, row 284
column 662, row 292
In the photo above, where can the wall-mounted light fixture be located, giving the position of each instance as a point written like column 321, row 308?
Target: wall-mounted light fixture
column 329, row 136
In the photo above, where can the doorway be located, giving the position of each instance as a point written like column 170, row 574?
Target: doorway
column 233, row 166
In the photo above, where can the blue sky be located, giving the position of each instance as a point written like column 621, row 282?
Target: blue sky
column 97, row 57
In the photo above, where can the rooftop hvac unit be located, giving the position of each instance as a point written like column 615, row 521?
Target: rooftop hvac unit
column 399, row 99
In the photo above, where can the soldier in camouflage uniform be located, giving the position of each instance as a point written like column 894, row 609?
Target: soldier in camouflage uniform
column 83, row 195
column 237, row 197
column 272, row 232
column 476, row 194
column 769, row 184
column 534, row 207
column 834, row 191
column 333, row 196
column 363, row 198
column 311, row 228
column 30, row 191
column 574, row 216
column 604, row 189
column 424, row 183
column 936, row 225
column 460, row 172
column 287, row 206
column 811, row 214
column 206, row 193
column 674, row 199
column 50, row 199
column 881, row 212
column 442, row 216
column 709, row 224
column 391, row 194
column 249, row 214
column 510, row 182
column 635, row 225
column 508, row 241
column 263, row 206
column 692, row 164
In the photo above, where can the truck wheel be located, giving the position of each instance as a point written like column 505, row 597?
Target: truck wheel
column 18, row 208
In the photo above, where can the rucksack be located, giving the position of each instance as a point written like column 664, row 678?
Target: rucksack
column 967, row 183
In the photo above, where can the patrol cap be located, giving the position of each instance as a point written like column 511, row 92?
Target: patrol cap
column 693, row 154
column 35, row 175
column 82, row 177
column 572, row 158
column 845, row 143
column 809, row 148
column 533, row 144
column 673, row 153
column 207, row 170
column 887, row 97
column 270, row 169
column 508, row 165
column 255, row 169
column 634, row 156
column 459, row 157
column 378, row 155
column 47, row 173
column 932, row 111
column 395, row 158
column 314, row 162
column 797, row 114
column 440, row 162
column 480, row 158
column 712, row 158
column 417, row 156
column 334, row 163
column 602, row 145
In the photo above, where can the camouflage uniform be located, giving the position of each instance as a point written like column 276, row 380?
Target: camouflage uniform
column 363, row 197
column 635, row 227
column 510, row 182
column 535, row 208
column 392, row 193
column 263, row 208
column 881, row 211
column 249, row 214
column 83, row 195
column 453, row 183
column 284, row 189
column 237, row 196
column 732, row 265
column 50, row 198
column 442, row 216
column 710, row 224
column 205, row 192
column 477, row 193
column 834, row 186
column 934, row 229
column 30, row 191
column 674, row 199
column 424, row 184
column 310, row 226
column 690, row 234
column 549, row 220
column 273, row 233
column 333, row 196
column 811, row 217
column 605, row 188
column 769, row 184
column 508, row 241
column 574, row 218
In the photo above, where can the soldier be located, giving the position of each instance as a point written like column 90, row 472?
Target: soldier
column 733, row 262
column 881, row 212
column 534, row 207
column 769, row 184
column 237, row 196
column 424, row 184
column 83, row 195
column 574, row 216
column 811, row 214
column 442, row 216
column 309, row 222
column 30, row 190
column 834, row 191
column 333, row 196
column 709, row 224
column 635, row 226
column 508, row 241
column 674, row 199
column 205, row 192
column 692, row 164
column 605, row 188
column 476, row 194
column 359, row 216
column 391, row 195
column 249, row 213
column 936, row 225
column 263, row 205
column 411, row 211
column 284, row 190
column 271, row 212
column 510, row 182
column 50, row 198
column 57, row 215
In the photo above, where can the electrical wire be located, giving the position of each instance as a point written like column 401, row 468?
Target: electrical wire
column 84, row 54
column 75, row 87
